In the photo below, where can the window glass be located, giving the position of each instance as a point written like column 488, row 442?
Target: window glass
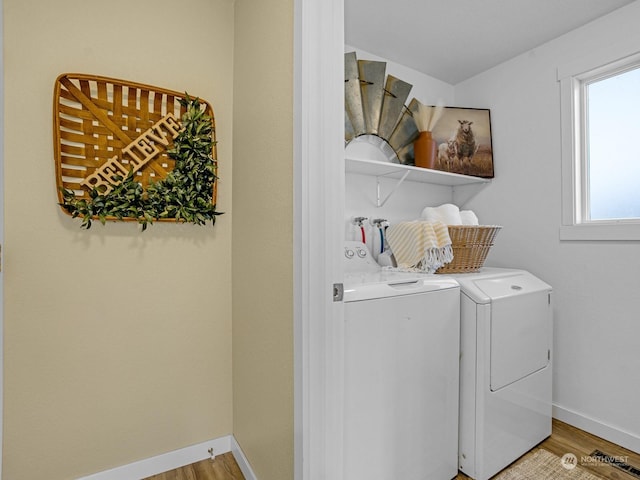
column 612, row 130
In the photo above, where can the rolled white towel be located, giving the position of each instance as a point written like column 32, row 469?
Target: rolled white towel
column 446, row 213
column 468, row 217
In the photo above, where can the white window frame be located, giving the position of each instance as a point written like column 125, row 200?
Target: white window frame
column 572, row 77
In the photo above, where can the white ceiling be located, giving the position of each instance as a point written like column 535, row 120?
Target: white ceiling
column 453, row 40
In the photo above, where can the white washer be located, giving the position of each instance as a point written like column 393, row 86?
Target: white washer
column 401, row 372
column 505, row 368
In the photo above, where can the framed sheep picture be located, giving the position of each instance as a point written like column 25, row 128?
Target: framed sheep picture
column 463, row 138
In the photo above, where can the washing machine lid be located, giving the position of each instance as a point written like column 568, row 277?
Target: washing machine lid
column 364, row 279
column 383, row 284
column 496, row 283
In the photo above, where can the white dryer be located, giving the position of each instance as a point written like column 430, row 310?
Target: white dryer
column 505, row 368
column 401, row 372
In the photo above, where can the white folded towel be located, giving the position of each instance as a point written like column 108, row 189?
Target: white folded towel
column 447, row 213
column 468, row 217
column 420, row 246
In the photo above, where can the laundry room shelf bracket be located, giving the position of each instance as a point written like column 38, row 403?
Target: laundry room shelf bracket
column 464, row 187
column 381, row 201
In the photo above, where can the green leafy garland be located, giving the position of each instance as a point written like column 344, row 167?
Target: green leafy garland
column 185, row 194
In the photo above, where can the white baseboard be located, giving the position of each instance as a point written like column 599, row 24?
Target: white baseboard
column 169, row 461
column 242, row 461
column 613, row 434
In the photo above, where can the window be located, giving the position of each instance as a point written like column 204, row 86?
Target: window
column 601, row 150
column 611, row 154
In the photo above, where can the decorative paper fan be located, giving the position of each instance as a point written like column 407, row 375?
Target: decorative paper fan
column 375, row 106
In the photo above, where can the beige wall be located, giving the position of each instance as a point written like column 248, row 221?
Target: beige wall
column 262, row 236
column 117, row 342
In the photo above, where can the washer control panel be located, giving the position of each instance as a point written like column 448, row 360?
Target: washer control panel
column 357, row 258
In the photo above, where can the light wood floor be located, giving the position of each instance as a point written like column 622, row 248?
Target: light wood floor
column 567, row 439
column 224, row 467
column 564, row 439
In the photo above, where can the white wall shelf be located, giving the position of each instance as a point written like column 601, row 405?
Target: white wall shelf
column 408, row 172
column 416, row 174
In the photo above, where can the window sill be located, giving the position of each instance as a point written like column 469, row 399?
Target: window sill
column 602, row 232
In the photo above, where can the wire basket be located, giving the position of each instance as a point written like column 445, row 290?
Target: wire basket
column 471, row 245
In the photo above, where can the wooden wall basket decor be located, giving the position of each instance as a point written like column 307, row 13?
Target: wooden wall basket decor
column 129, row 151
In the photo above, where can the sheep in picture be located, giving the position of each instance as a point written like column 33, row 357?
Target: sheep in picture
column 447, row 153
column 465, row 141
